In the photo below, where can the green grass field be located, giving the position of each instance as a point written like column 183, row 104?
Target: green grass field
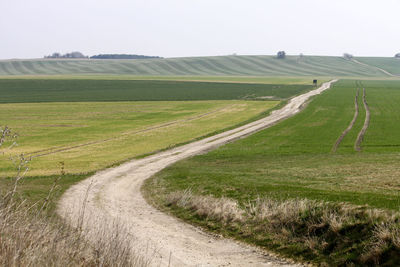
column 296, row 66
column 293, row 158
column 292, row 161
column 81, row 90
column 89, row 136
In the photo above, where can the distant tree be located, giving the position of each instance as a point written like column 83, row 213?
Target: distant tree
column 281, row 54
column 397, row 55
column 54, row 55
column 347, row 56
column 75, row 54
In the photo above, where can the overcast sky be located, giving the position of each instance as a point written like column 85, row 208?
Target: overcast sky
column 176, row 28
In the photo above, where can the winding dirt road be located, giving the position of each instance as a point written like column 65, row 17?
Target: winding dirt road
column 114, row 194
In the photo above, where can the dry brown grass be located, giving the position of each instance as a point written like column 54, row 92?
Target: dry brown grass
column 30, row 236
column 322, row 228
column 222, row 209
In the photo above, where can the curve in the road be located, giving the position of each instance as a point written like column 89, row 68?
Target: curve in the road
column 114, row 195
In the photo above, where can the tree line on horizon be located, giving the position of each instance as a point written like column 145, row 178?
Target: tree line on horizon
column 77, row 54
column 74, row 54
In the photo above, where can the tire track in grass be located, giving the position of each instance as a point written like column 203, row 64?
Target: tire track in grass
column 345, row 132
column 360, row 137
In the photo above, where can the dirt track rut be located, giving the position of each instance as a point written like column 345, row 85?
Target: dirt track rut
column 347, row 130
column 360, row 137
column 115, row 195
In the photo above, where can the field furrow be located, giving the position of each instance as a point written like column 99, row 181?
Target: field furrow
column 212, row 66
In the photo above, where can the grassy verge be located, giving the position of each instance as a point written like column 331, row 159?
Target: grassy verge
column 325, row 233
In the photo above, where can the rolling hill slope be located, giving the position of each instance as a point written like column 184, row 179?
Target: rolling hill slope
column 212, row 66
column 389, row 64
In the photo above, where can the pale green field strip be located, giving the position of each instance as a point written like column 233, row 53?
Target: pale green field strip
column 291, row 66
column 92, row 135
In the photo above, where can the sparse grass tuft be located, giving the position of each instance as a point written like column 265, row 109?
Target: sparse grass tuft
column 222, row 209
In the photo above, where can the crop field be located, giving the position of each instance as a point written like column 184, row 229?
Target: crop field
column 294, row 161
column 89, row 124
column 320, row 66
column 82, row 90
